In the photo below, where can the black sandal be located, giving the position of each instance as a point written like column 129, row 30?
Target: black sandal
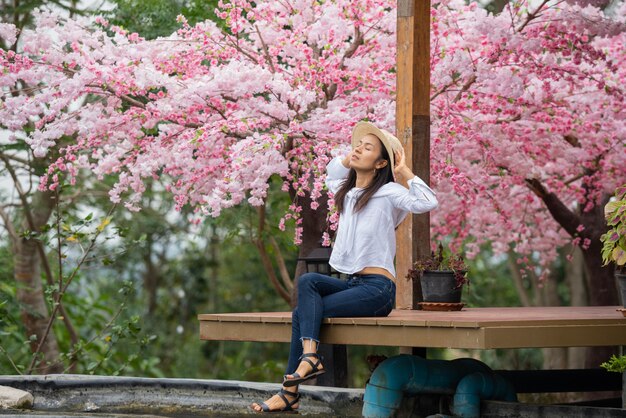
column 288, row 408
column 315, row 371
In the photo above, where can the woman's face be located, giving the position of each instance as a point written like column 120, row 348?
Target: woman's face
column 367, row 155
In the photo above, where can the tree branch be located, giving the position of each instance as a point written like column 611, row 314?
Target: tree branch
column 57, row 304
column 288, row 146
column 265, row 50
column 269, row 269
column 124, row 97
column 572, row 140
column 561, row 213
column 282, row 266
column 442, row 90
column 517, row 279
column 331, row 90
column 533, row 15
column 472, row 79
column 66, row 320
column 20, row 192
column 358, row 41
column 8, row 225
column 240, row 49
column 265, row 258
column 465, row 87
column 40, row 249
column 10, row 360
column 19, row 160
column 70, row 8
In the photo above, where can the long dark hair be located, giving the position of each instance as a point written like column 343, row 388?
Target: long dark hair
column 383, row 176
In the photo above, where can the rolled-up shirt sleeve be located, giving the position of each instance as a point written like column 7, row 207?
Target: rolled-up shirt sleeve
column 418, row 199
column 336, row 173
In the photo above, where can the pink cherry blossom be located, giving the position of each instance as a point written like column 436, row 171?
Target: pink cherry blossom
column 519, row 98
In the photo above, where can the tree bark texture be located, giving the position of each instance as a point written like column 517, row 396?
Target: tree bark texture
column 600, row 279
column 30, row 293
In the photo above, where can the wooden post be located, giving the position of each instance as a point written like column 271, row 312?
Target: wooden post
column 413, row 130
column 336, row 364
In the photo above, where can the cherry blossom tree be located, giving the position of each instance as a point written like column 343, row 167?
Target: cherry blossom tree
column 527, row 113
column 529, row 129
column 24, row 210
column 217, row 112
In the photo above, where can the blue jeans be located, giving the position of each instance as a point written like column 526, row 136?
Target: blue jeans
column 321, row 296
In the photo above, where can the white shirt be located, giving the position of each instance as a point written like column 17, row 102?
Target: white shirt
column 367, row 238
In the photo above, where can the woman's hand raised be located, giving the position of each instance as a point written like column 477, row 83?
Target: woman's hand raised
column 401, row 171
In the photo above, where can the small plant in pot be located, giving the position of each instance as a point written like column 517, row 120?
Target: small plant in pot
column 614, row 241
column 442, row 276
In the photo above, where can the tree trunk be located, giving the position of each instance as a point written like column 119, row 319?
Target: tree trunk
column 313, row 226
column 601, row 285
column 30, row 294
column 600, row 279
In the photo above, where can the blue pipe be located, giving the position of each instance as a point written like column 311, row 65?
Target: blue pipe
column 411, row 374
column 480, row 385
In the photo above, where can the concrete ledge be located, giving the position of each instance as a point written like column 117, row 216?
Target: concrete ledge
column 497, row 409
column 188, row 397
column 11, row 398
column 129, row 397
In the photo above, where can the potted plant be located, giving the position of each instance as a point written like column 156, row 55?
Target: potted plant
column 618, row 364
column 614, row 241
column 442, row 276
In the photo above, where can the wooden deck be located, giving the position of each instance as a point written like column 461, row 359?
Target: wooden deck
column 479, row 328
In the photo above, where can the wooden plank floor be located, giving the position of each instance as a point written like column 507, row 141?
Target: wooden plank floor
column 470, row 328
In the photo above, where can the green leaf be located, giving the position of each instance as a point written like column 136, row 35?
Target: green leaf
column 619, row 256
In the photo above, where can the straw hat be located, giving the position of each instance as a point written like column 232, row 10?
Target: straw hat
column 390, row 142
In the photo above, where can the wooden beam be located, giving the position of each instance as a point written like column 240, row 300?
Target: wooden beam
column 413, row 130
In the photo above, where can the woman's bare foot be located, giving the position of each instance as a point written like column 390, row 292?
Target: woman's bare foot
column 285, row 400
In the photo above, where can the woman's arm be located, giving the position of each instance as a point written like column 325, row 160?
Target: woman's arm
column 419, row 198
column 336, row 172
